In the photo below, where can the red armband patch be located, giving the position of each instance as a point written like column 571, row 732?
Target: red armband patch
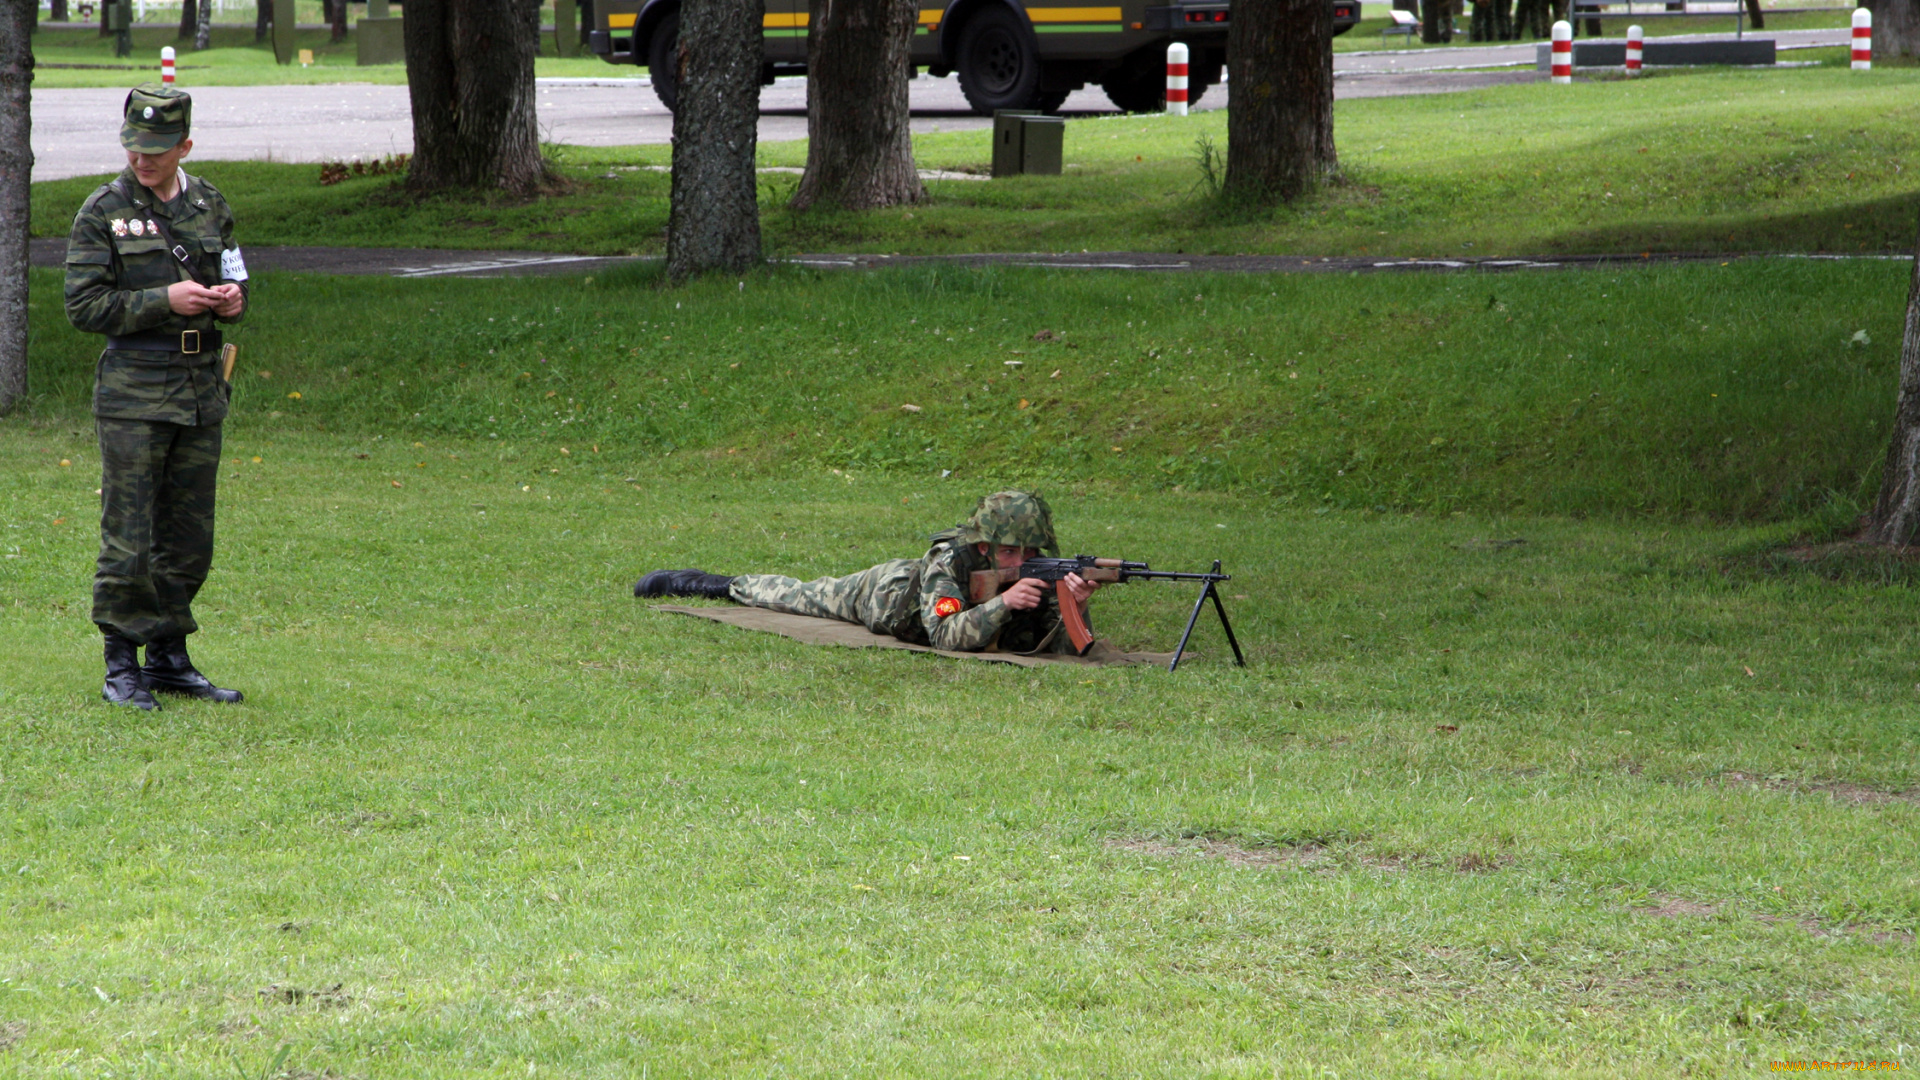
column 947, row 605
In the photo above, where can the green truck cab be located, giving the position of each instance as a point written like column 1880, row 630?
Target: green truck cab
column 1009, row 54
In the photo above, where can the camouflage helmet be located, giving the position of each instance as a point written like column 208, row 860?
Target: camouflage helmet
column 1011, row 519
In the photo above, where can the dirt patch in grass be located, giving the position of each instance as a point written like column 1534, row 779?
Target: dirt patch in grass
column 334, row 996
column 1303, row 855
column 1841, row 790
column 1475, row 863
column 1676, row 908
column 11, row 1032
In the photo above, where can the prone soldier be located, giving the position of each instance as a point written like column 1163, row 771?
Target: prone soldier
column 926, row 600
column 152, row 264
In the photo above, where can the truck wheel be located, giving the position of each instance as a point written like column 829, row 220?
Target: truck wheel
column 1138, row 88
column 998, row 68
column 663, row 56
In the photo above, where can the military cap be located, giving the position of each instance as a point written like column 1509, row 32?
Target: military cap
column 1011, row 519
column 156, row 118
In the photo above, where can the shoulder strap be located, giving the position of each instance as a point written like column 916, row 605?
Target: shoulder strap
column 180, row 253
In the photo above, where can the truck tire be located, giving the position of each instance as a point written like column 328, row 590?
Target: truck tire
column 663, row 67
column 998, row 65
column 1137, row 88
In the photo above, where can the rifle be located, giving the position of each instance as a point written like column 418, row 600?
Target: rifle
column 986, row 584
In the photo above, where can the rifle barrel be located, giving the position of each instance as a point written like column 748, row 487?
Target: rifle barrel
column 1175, row 575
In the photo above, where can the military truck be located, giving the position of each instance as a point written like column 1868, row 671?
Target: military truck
column 1010, row 54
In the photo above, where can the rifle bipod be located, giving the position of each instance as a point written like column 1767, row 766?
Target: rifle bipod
column 1213, row 578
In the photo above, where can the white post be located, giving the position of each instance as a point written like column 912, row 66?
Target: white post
column 1563, row 52
column 1177, row 79
column 1862, row 39
column 1635, row 44
column 166, row 65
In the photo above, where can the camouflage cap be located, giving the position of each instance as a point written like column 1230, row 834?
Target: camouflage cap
column 156, row 118
column 1011, row 519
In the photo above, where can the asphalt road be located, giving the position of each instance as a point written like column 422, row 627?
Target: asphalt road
column 74, row 131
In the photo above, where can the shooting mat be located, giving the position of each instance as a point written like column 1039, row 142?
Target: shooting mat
column 834, row 632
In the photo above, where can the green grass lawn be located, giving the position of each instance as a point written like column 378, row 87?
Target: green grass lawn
column 78, row 58
column 1792, row 160
column 1551, row 766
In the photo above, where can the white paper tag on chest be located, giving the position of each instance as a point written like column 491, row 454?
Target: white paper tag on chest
column 232, row 266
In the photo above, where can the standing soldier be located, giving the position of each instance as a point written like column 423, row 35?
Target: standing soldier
column 152, row 265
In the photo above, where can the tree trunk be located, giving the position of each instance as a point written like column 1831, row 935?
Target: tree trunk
column 104, row 5
column 16, row 185
column 1755, row 17
column 1280, row 99
column 339, row 20
column 470, row 82
column 1896, row 27
column 203, row 26
column 859, row 151
column 714, row 219
column 189, row 18
column 1434, row 28
column 57, row 11
column 1896, row 514
column 262, row 18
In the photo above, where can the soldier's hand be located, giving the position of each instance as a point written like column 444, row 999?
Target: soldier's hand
column 1026, row 594
column 191, row 298
column 1081, row 588
column 232, row 299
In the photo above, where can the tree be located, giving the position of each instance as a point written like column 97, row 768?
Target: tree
column 56, row 10
column 337, row 15
column 262, row 18
column 1896, row 514
column 859, row 149
column 713, row 222
column 1280, row 97
column 16, row 186
column 470, row 82
column 203, row 26
column 1896, row 27
column 1436, row 22
column 189, row 18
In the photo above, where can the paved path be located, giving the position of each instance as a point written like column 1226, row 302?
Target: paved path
column 419, row 262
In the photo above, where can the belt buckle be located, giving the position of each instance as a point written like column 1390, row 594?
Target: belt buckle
column 190, row 342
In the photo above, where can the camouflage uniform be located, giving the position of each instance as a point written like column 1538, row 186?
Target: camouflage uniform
column 926, row 600
column 157, row 408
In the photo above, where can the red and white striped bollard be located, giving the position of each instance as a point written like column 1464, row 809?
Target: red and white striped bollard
column 166, row 65
column 1862, row 39
column 1563, row 52
column 1177, row 79
column 1636, row 43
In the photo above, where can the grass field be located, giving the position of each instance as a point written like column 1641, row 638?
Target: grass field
column 1503, row 793
column 74, row 58
column 1801, row 160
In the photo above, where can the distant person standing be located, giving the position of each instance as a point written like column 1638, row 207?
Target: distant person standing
column 152, row 265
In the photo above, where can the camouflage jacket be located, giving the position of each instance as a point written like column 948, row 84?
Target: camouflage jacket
column 118, row 271
column 956, row 623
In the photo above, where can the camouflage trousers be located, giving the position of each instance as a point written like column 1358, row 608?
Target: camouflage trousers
column 156, row 525
column 885, row 599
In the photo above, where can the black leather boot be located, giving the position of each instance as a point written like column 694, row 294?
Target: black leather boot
column 170, row 671
column 124, row 686
column 683, row 583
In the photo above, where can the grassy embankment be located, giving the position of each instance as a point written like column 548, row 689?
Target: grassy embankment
column 1803, row 160
column 80, row 58
column 1501, row 795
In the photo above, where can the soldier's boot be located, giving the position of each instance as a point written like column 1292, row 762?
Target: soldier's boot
column 170, row 671
column 123, row 685
column 683, row 583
